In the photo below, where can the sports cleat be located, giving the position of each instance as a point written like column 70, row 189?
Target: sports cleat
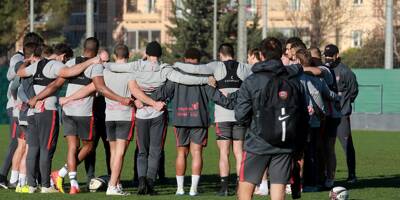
column 113, row 190
column 48, row 190
column 3, row 181
column 179, row 192
column 150, row 187
column 12, row 185
column 223, row 192
column 351, row 180
column 288, row 189
column 24, row 189
column 58, row 181
column 18, row 189
column 74, row 190
column 193, row 193
column 142, row 188
column 32, row 190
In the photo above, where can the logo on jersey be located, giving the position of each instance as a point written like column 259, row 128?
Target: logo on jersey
column 195, row 106
column 283, row 95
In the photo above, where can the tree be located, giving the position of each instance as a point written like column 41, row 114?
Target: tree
column 325, row 17
column 50, row 15
column 192, row 26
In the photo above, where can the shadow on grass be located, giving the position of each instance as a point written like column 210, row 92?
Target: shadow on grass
column 383, row 181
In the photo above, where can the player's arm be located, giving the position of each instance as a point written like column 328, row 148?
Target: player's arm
column 22, row 71
column 48, row 91
column 327, row 93
column 164, row 92
column 243, row 106
column 80, row 94
column 140, row 95
column 313, row 70
column 218, row 98
column 353, row 86
column 124, row 67
column 75, row 70
column 105, row 91
column 179, row 77
column 205, row 69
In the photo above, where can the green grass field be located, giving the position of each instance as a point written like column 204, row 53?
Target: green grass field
column 378, row 168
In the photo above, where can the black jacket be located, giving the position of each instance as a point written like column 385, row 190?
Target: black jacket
column 346, row 84
column 248, row 102
column 190, row 103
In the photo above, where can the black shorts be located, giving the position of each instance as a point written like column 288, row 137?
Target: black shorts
column 330, row 127
column 21, row 130
column 229, row 131
column 83, row 127
column 122, row 130
column 185, row 135
column 253, row 167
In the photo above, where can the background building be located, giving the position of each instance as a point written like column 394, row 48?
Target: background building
column 346, row 23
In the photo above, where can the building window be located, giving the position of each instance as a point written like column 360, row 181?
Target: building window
column 295, row 5
column 356, row 39
column 138, row 39
column 251, row 9
column 358, row 2
column 151, row 6
column 131, row 6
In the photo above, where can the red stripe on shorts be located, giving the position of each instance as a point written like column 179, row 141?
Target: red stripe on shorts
column 217, row 130
column 14, row 129
column 53, row 124
column 91, row 127
column 132, row 125
column 164, row 132
column 241, row 174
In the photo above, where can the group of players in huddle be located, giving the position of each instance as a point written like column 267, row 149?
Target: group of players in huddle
column 289, row 94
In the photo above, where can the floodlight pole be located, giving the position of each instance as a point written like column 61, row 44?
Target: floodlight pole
column 242, row 32
column 31, row 15
column 389, row 35
column 215, row 31
column 265, row 18
column 89, row 18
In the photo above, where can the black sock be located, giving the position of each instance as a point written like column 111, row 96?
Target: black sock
column 225, row 181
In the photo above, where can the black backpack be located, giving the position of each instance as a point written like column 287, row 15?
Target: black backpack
column 280, row 110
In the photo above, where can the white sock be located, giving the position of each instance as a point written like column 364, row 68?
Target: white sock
column 14, row 176
column 72, row 179
column 63, row 171
column 22, row 179
column 51, row 183
column 179, row 182
column 264, row 185
column 195, row 182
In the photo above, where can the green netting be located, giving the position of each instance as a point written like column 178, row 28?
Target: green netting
column 369, row 99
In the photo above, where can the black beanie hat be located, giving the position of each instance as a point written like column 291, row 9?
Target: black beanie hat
column 154, row 49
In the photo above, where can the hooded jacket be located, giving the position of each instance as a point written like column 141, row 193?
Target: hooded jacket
column 346, row 84
column 248, row 103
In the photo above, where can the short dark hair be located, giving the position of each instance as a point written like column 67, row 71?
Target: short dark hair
column 32, row 48
column 47, row 50
column 304, row 56
column 298, row 45
column 255, row 52
column 91, row 44
column 292, row 40
column 315, row 50
column 226, row 49
column 271, row 48
column 192, row 53
column 121, row 51
column 63, row 48
column 32, row 37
